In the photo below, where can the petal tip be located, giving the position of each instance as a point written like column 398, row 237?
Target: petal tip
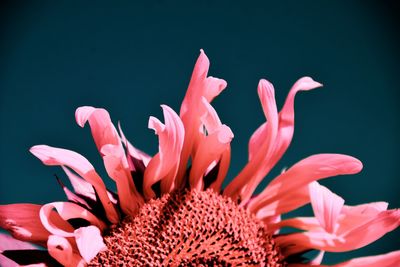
column 39, row 151
column 308, row 83
column 82, row 114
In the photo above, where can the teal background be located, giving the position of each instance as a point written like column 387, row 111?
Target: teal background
column 129, row 58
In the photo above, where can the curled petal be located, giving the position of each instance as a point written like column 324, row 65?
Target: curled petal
column 129, row 199
column 279, row 142
column 89, row 242
column 200, row 86
column 61, row 250
column 67, row 211
column 101, row 126
column 246, row 182
column 304, row 172
column 164, row 165
column 326, row 205
column 23, row 222
column 210, row 118
column 213, row 87
column 286, row 117
column 210, row 149
column 57, row 156
column 109, row 145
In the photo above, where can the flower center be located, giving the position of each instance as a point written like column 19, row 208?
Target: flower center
column 191, row 228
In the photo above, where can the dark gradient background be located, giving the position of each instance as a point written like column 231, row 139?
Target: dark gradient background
column 129, row 58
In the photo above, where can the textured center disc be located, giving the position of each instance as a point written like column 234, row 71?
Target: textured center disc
column 191, row 228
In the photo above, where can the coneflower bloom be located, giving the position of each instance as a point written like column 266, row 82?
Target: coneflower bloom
column 171, row 209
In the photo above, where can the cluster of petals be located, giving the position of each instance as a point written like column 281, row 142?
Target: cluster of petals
column 70, row 232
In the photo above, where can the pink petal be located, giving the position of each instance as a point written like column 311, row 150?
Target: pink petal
column 284, row 204
column 67, row 211
column 80, row 185
column 200, row 86
column 130, row 200
column 246, row 182
column 326, row 205
column 391, row 259
column 164, row 165
column 61, row 250
column 278, row 146
column 210, row 149
column 354, row 216
column 210, row 118
column 369, row 231
column 286, row 117
column 222, row 171
column 6, row 262
column 89, row 242
column 256, row 140
column 313, row 168
column 82, row 115
column 110, row 147
column 84, row 188
column 355, row 238
column 9, row 243
column 57, row 156
column 23, row 222
column 101, row 126
column 74, row 198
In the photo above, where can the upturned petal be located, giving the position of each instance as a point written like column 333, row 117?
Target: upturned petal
column 164, row 165
column 245, row 183
column 110, row 147
column 211, row 148
column 286, row 117
column 200, row 86
column 62, row 157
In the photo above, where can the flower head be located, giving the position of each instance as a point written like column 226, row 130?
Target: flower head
column 171, row 210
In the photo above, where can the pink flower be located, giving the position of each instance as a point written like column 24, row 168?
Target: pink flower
column 171, row 209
